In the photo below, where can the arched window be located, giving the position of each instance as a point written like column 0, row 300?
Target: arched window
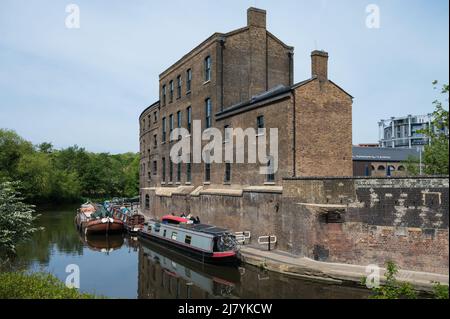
column 147, row 201
column 401, row 168
column 372, row 168
column 381, row 168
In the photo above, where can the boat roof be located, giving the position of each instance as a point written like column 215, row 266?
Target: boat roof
column 207, row 229
column 175, row 219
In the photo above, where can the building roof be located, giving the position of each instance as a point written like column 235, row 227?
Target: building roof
column 148, row 108
column 380, row 154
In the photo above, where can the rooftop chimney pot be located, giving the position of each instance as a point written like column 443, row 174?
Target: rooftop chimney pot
column 256, row 18
column 319, row 65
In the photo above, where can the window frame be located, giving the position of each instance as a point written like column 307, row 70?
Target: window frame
column 208, row 113
column 188, row 80
column 171, row 88
column 179, row 86
column 207, row 68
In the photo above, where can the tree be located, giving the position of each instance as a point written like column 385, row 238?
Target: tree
column 436, row 154
column 16, row 219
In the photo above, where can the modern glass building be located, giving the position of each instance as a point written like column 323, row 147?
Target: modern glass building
column 405, row 132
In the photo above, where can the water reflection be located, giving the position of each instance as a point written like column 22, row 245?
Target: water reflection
column 120, row 266
column 167, row 275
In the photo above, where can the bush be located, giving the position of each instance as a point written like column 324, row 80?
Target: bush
column 36, row 286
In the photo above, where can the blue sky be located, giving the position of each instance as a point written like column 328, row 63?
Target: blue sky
column 88, row 86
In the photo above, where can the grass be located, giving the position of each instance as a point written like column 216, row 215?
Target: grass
column 20, row 285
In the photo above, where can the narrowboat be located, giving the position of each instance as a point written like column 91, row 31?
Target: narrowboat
column 132, row 220
column 95, row 219
column 208, row 244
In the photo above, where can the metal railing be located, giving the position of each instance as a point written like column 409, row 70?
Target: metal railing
column 270, row 241
column 243, row 237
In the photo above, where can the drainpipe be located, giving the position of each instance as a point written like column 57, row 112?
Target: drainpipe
column 294, row 138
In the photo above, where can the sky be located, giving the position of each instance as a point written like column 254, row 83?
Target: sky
column 88, row 86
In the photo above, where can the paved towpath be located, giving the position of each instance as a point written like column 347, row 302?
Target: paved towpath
column 332, row 272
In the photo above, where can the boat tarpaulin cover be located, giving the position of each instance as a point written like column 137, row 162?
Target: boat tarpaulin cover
column 101, row 212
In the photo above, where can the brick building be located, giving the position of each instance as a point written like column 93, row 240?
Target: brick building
column 244, row 79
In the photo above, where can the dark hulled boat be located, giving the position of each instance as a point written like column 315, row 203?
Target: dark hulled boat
column 95, row 219
column 208, row 244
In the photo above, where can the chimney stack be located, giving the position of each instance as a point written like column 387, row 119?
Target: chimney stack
column 256, row 18
column 319, row 65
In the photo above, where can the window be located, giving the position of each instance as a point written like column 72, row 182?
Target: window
column 207, row 172
column 147, row 201
column 178, row 172
column 143, row 124
column 155, row 141
column 188, row 80
column 171, row 125
column 188, row 173
column 188, row 240
column 260, row 124
column 163, row 169
column 170, row 172
column 227, row 172
column 155, row 117
column 401, row 168
column 207, row 69
column 149, row 121
column 171, row 91
column 189, row 119
column 381, row 168
column 179, row 119
column 270, row 174
column 179, row 83
column 163, row 94
column 208, row 112
column 174, row 236
column 155, row 167
column 165, row 232
column 227, row 134
column 164, row 129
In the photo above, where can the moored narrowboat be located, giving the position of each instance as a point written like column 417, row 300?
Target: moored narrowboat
column 206, row 243
column 95, row 219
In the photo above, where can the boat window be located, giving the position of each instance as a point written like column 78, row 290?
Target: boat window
column 188, row 240
column 174, row 236
column 164, row 234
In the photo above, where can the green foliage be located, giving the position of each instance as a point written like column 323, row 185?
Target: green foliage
column 392, row 288
column 16, row 219
column 412, row 165
column 436, row 154
column 440, row 291
column 36, row 286
column 49, row 175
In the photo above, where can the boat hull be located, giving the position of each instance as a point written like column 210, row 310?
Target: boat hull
column 205, row 257
column 101, row 227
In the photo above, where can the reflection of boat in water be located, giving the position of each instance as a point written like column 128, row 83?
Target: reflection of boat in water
column 102, row 243
column 206, row 243
column 183, row 277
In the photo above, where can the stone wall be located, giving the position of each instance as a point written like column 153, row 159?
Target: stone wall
column 345, row 220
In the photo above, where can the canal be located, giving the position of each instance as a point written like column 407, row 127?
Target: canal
column 120, row 266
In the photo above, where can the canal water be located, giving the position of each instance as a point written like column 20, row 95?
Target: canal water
column 121, row 266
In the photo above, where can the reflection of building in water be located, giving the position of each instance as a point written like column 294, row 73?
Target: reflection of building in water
column 165, row 275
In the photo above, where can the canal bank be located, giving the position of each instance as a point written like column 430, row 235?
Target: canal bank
column 334, row 273
column 119, row 266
